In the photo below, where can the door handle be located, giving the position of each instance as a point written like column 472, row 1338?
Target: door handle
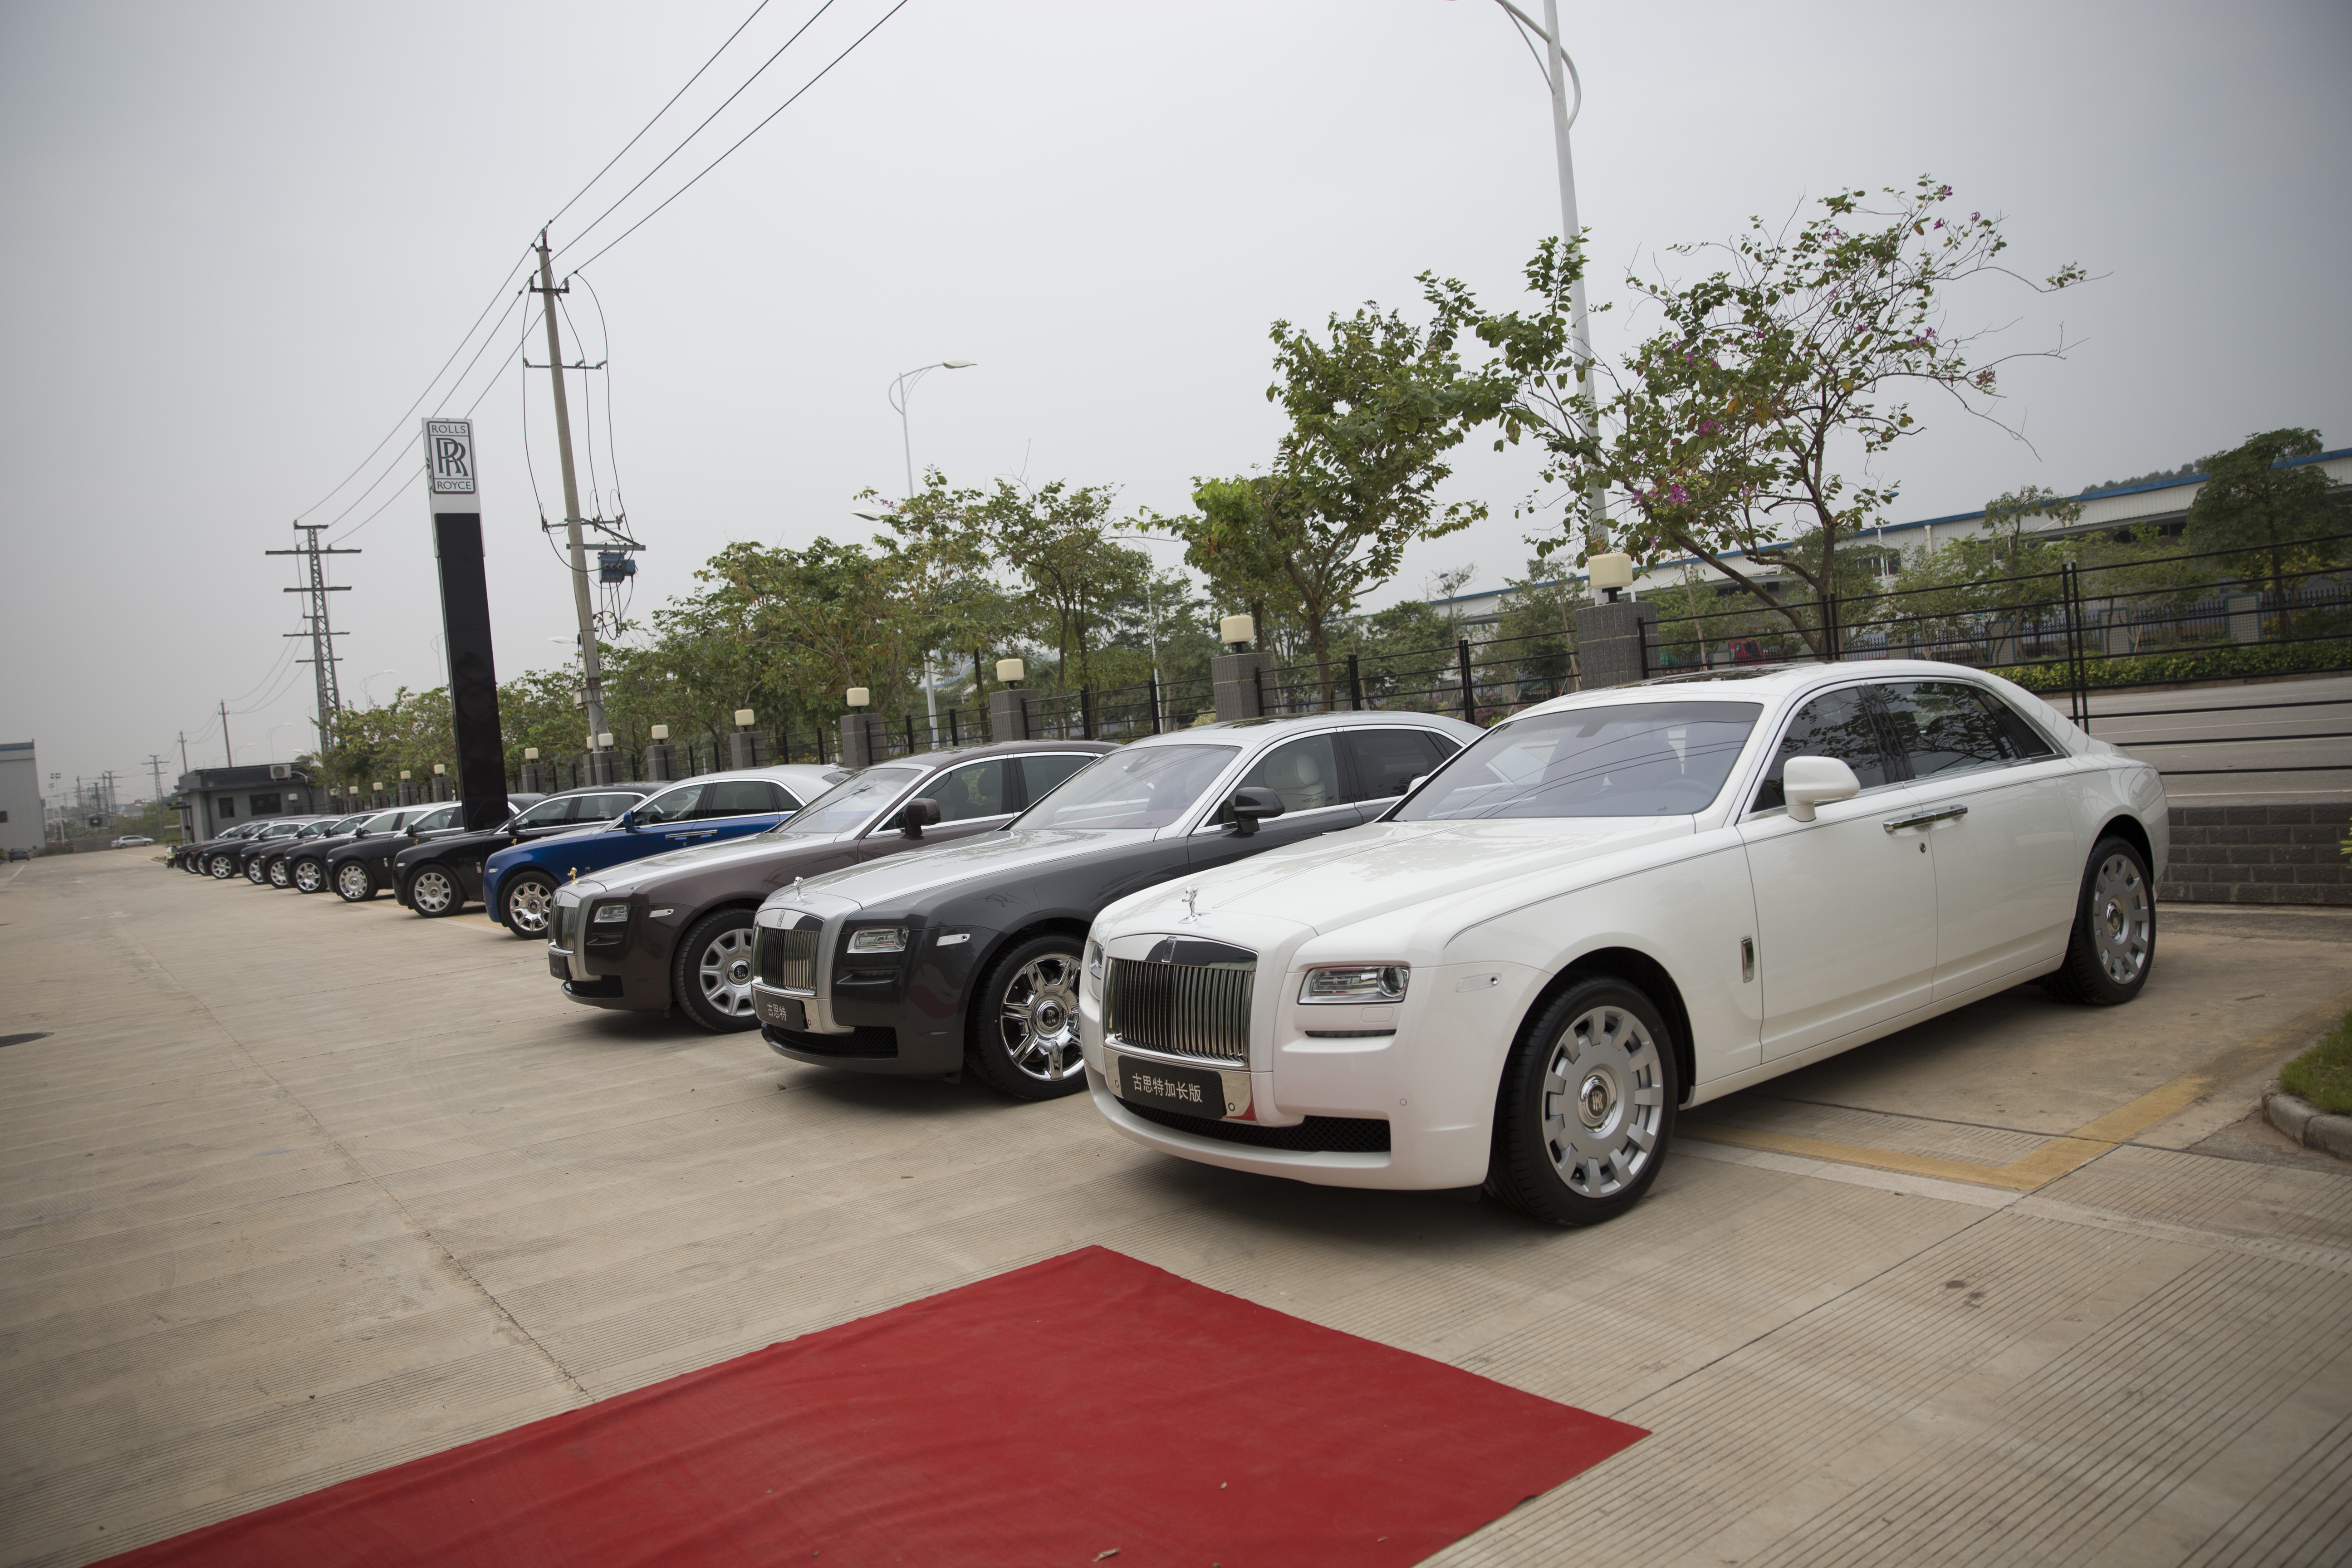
column 1921, row 818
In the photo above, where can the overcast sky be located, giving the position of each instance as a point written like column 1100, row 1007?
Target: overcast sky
column 240, row 238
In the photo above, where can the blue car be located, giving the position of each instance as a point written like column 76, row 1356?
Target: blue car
column 518, row 882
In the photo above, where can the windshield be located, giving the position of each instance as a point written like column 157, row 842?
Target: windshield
column 1149, row 787
column 346, row 824
column 381, row 822
column 846, row 805
column 1620, row 759
column 670, row 805
column 548, row 812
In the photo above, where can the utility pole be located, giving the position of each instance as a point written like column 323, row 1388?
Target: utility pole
column 322, row 647
column 591, row 672
column 227, row 750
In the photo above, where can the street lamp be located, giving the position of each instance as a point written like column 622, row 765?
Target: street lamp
column 1151, row 611
column 1561, row 72
column 899, row 389
column 369, row 695
column 273, row 736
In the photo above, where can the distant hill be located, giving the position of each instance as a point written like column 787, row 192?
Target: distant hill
column 2186, row 471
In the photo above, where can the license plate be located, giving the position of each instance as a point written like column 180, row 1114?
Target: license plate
column 558, row 965
column 782, row 1012
column 1192, row 1090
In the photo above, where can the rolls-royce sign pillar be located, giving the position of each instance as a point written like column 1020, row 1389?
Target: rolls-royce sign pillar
column 452, row 488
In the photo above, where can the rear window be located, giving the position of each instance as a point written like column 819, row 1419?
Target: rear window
column 1619, row 759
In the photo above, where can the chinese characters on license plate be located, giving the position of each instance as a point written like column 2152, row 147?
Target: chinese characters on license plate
column 782, row 1012
column 1174, row 1088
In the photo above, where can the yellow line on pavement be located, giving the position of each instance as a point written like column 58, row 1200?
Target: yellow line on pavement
column 2063, row 1154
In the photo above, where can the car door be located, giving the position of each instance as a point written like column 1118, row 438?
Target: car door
column 733, row 807
column 1306, row 772
column 1845, row 905
column 1989, row 792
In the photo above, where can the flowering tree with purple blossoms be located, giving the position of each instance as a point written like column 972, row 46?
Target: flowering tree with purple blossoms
column 1721, row 435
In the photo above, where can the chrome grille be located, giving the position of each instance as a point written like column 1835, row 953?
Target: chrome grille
column 787, row 959
column 1190, row 1010
column 564, row 927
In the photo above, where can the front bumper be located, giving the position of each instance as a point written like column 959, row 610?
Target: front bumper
column 606, row 968
column 908, row 1022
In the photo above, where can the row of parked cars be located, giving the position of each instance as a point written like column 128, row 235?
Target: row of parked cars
column 1368, row 948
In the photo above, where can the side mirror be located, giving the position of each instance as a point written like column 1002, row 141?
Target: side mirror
column 1809, row 782
column 1253, row 803
column 628, row 822
column 917, row 816
column 1416, row 784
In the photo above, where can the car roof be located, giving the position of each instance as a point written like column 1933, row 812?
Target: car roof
column 940, row 757
column 1765, row 682
column 1250, row 731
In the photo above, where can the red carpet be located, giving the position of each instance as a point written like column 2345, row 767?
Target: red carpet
column 1045, row 1416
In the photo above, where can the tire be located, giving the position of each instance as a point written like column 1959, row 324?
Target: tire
column 254, row 873
column 308, row 875
column 222, row 868
column 2112, row 944
column 710, row 973
column 527, row 904
column 1024, row 1036
column 280, row 877
column 434, row 891
column 354, row 883
column 1586, row 1108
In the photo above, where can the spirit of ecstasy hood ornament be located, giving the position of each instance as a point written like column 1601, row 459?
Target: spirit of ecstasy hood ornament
column 1191, row 906
column 797, row 882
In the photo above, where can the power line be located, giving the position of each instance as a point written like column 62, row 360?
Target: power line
column 745, row 137
column 698, row 130
column 664, row 109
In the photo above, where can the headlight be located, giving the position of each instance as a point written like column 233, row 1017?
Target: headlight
column 610, row 914
column 878, row 939
column 1357, row 982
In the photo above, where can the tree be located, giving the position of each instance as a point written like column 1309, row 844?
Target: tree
column 1726, row 429
column 1372, row 411
column 1057, row 539
column 2272, row 519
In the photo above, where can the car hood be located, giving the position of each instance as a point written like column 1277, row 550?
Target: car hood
column 1011, row 852
column 758, row 850
column 1360, row 873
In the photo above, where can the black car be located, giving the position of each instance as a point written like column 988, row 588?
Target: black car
column 197, row 859
column 271, row 862
column 969, row 955
column 271, row 838
column 361, row 869
column 675, row 929
column 443, row 875
column 306, row 862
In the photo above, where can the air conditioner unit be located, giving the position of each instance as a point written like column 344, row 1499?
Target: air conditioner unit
column 281, row 770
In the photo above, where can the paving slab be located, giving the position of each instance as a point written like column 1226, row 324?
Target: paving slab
column 299, row 1189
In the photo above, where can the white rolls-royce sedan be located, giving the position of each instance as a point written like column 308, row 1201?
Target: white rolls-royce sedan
column 1614, row 906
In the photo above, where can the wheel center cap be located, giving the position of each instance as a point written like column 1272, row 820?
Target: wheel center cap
column 738, row 971
column 1594, row 1100
column 1050, row 1014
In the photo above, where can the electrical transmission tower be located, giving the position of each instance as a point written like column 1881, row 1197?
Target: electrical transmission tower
column 322, row 647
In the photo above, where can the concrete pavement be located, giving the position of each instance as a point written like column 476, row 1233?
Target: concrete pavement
column 301, row 1189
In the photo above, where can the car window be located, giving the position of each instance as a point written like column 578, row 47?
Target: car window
column 1042, row 775
column 548, row 813
column 1617, row 759
column 1305, row 772
column 347, row 825
column 445, row 816
column 848, row 803
column 1841, row 724
column 671, row 805
column 975, row 789
column 1149, row 786
column 381, row 822
column 741, row 797
column 1949, row 727
column 1388, row 760
column 601, row 807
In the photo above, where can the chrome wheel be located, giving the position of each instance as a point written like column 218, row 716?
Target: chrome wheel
column 255, row 874
column 433, row 891
column 1037, row 1019
column 1603, row 1094
column 2121, row 924
column 223, row 867
column 278, row 877
column 309, row 877
column 354, row 882
column 723, row 969
column 529, row 904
